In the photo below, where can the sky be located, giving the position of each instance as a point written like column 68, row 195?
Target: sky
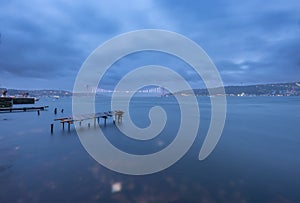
column 43, row 44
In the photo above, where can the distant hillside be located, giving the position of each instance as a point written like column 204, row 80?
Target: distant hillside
column 280, row 89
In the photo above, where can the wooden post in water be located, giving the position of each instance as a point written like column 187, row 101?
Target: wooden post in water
column 89, row 125
column 51, row 128
column 105, row 117
column 38, row 112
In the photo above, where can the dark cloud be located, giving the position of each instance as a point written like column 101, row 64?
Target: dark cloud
column 252, row 42
column 49, row 42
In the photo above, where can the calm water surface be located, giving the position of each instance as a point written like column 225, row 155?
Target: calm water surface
column 256, row 160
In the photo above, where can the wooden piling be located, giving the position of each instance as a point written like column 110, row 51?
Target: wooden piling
column 38, row 112
column 105, row 117
column 51, row 128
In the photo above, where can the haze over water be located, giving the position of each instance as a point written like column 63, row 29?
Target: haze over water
column 256, row 159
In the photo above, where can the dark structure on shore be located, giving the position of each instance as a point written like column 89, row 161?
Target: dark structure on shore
column 9, row 101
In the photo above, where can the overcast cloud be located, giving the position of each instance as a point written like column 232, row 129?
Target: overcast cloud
column 44, row 43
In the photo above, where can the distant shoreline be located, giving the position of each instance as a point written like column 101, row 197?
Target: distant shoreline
column 275, row 89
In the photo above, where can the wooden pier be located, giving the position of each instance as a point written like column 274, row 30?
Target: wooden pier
column 115, row 115
column 11, row 109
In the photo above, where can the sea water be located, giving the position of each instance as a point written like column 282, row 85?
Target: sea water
column 256, row 160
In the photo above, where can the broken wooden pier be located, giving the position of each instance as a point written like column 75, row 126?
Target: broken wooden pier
column 115, row 115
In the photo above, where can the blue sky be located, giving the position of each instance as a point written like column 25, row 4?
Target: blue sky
column 44, row 43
